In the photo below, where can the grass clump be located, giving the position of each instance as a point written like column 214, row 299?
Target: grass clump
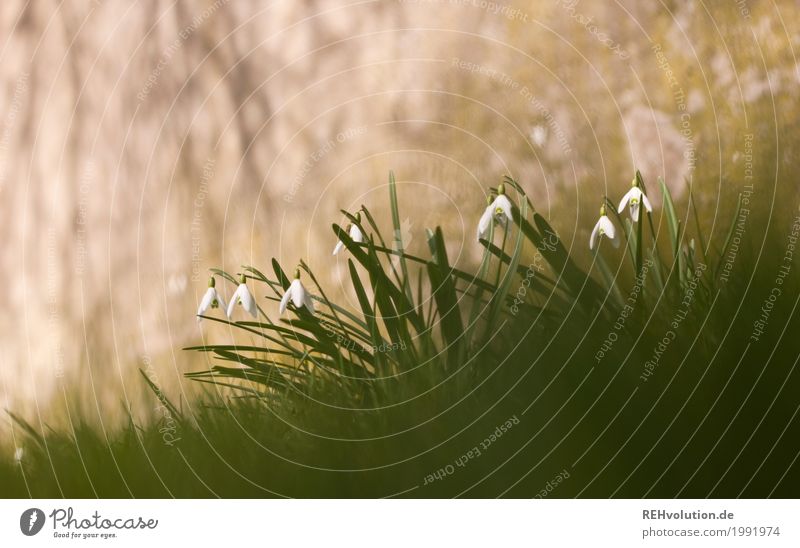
column 636, row 373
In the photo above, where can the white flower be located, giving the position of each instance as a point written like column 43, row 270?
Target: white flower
column 211, row 299
column 499, row 209
column 633, row 198
column 243, row 297
column 355, row 234
column 298, row 295
column 19, row 452
column 604, row 227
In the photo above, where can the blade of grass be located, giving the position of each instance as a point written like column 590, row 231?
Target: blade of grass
column 443, row 290
column 498, row 300
column 398, row 234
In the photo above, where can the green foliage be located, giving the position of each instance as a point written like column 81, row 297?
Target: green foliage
column 390, row 347
column 372, row 400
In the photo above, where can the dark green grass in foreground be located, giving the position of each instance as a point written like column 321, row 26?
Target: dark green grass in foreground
column 490, row 396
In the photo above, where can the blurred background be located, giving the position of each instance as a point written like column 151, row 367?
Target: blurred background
column 142, row 143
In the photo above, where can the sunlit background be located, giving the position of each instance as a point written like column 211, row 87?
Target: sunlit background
column 145, row 142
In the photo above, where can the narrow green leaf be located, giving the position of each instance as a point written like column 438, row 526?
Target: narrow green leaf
column 398, row 235
column 498, row 301
column 443, row 290
column 580, row 283
column 283, row 279
column 162, row 397
column 672, row 218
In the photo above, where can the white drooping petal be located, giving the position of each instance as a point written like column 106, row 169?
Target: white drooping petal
column 298, row 293
column 504, row 205
column 607, row 227
column 248, row 302
column 636, row 202
column 635, row 211
column 486, row 219
column 205, row 303
column 244, row 297
column 609, row 230
column 356, row 235
column 604, row 227
column 285, row 300
column 593, row 237
column 635, row 198
column 232, row 302
column 220, row 300
column 208, row 300
column 625, row 199
column 646, row 203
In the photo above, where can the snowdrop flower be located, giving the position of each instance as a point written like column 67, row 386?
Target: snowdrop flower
column 297, row 294
column 355, row 235
column 211, row 299
column 243, row 297
column 633, row 198
column 499, row 209
column 19, row 452
column 604, row 227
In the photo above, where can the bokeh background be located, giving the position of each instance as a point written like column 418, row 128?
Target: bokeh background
column 143, row 142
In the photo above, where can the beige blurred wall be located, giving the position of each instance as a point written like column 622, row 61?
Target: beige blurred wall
column 144, row 142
